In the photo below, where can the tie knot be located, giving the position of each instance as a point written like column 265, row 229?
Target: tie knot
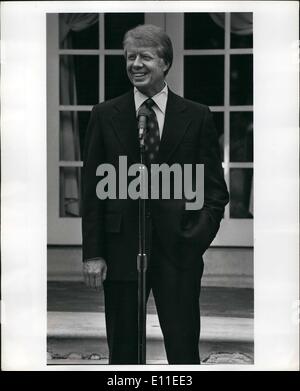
column 149, row 103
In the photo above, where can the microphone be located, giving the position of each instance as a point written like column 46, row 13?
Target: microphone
column 143, row 115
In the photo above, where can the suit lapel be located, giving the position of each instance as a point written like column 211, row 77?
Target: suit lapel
column 175, row 126
column 125, row 125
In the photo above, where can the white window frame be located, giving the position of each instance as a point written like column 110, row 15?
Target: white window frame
column 233, row 232
column 67, row 230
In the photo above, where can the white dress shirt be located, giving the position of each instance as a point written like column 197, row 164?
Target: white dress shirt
column 159, row 108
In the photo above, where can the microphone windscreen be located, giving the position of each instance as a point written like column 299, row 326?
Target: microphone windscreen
column 143, row 111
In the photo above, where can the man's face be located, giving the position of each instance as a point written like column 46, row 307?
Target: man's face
column 145, row 69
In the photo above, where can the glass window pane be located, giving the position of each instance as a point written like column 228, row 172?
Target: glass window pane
column 241, row 193
column 204, row 79
column 241, row 137
column 73, row 125
column 116, row 26
column 116, row 80
column 79, row 80
column 241, row 79
column 87, row 38
column 219, row 123
column 83, row 120
column 241, row 24
column 69, row 192
column 201, row 32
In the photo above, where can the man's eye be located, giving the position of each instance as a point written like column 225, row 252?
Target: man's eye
column 131, row 58
column 147, row 58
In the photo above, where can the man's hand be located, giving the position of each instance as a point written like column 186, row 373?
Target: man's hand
column 94, row 272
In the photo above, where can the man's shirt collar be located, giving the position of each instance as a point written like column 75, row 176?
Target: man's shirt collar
column 160, row 98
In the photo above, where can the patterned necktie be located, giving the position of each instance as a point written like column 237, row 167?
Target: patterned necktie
column 152, row 138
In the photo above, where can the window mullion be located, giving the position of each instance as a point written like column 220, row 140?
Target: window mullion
column 227, row 106
column 101, row 58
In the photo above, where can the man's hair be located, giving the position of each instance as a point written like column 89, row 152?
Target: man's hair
column 148, row 35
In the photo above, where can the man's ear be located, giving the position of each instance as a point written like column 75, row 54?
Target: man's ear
column 166, row 66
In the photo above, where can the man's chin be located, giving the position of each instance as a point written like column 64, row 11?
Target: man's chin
column 141, row 86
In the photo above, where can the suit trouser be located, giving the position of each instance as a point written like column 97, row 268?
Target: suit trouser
column 176, row 293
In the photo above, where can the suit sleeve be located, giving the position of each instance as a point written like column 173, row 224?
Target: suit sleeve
column 215, row 190
column 92, row 207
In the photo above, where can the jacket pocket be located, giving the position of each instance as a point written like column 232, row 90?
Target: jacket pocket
column 189, row 219
column 113, row 222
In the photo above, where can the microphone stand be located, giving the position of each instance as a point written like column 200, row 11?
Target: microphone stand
column 142, row 256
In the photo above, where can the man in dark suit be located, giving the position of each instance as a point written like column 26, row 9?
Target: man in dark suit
column 182, row 132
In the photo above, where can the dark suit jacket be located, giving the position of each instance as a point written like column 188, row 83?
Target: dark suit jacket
column 110, row 227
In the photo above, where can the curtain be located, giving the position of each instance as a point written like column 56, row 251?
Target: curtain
column 70, row 178
column 241, row 22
